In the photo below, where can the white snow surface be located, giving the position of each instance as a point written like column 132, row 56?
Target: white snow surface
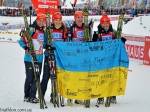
column 12, row 77
column 138, row 26
column 12, row 73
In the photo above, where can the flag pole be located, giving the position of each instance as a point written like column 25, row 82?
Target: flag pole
column 12, row 8
column 72, row 6
column 110, row 9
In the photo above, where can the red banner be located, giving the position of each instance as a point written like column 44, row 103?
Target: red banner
column 41, row 6
column 2, row 2
column 75, row 1
column 146, row 60
column 135, row 51
column 134, row 3
column 138, row 48
column 122, row 2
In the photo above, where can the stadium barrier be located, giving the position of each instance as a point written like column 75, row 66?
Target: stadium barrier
column 138, row 48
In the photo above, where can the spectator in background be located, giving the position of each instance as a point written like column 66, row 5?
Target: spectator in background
column 102, row 11
column 133, row 12
column 136, row 13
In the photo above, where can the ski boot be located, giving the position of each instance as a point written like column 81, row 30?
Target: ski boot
column 79, row 102
column 26, row 99
column 99, row 101
column 113, row 100
column 34, row 100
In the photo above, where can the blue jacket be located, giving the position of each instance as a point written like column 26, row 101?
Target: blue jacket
column 133, row 12
column 27, row 56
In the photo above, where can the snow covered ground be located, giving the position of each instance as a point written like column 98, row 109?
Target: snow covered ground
column 12, row 73
column 12, row 76
column 138, row 26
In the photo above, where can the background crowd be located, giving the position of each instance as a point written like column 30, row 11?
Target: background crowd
column 68, row 12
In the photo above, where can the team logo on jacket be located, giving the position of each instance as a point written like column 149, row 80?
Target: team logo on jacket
column 105, row 38
column 80, row 33
column 40, row 37
column 57, row 35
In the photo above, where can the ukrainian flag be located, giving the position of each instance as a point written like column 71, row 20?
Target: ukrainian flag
column 87, row 70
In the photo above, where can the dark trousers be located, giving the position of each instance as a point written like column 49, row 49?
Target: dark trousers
column 30, row 83
column 46, row 75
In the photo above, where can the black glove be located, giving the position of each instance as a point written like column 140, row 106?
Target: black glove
column 123, row 39
column 90, row 23
column 26, row 48
column 47, row 46
column 95, row 37
column 53, row 48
